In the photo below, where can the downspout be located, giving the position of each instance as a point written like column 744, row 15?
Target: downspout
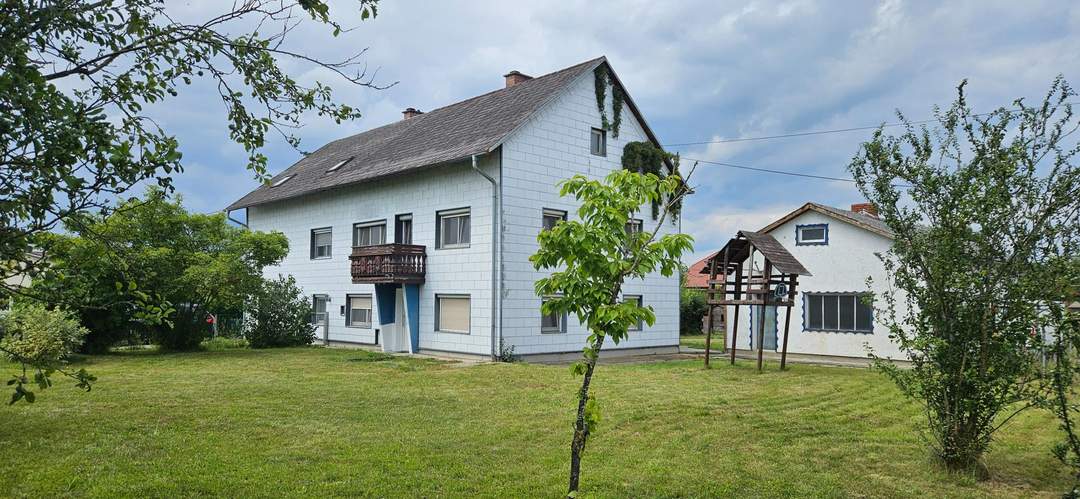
column 494, row 253
column 228, row 215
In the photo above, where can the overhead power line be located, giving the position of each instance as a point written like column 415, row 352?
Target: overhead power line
column 821, row 132
column 778, row 172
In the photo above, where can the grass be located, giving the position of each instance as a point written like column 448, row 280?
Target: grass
column 334, row 422
column 698, row 341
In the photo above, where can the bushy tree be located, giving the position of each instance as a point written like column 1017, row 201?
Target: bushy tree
column 78, row 80
column 692, row 308
column 986, row 215
column 279, row 315
column 41, row 339
column 152, row 254
column 592, row 257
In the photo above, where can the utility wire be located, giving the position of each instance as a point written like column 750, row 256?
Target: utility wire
column 778, row 172
column 823, row 132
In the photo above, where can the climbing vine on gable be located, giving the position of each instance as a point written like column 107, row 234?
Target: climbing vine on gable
column 601, row 79
column 644, row 157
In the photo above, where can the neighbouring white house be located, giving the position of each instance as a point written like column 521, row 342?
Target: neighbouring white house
column 840, row 250
column 416, row 236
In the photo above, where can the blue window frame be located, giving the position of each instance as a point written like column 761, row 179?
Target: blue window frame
column 838, row 312
column 812, row 235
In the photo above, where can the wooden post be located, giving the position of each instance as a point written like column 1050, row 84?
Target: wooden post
column 735, row 326
column 767, row 274
column 787, row 320
column 708, row 299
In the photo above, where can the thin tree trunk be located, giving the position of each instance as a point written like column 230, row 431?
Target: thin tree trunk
column 581, row 432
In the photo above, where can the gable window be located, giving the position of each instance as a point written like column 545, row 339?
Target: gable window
column 598, row 142
column 321, row 240
column 358, row 311
column 635, row 299
column 838, row 312
column 552, row 217
column 552, row 323
column 369, row 233
column 452, row 313
column 814, row 234
column 403, row 229
column 452, row 229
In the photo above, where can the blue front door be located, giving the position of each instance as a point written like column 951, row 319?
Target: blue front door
column 769, row 342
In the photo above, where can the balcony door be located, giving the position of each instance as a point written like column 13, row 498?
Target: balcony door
column 403, row 229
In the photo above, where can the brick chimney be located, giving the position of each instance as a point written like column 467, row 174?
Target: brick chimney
column 515, row 77
column 865, row 209
column 411, row 113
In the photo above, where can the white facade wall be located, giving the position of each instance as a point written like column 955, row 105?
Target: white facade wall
column 450, row 271
column 841, row 266
column 551, row 147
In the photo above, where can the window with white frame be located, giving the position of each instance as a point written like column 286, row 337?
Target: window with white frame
column 598, row 142
column 321, row 240
column 358, row 311
column 813, row 234
column 553, row 322
column 552, row 217
column 635, row 299
column 452, row 313
column 452, row 229
column 634, row 226
column 369, row 233
column 838, row 312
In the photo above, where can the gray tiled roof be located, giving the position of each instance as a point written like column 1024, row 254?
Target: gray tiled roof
column 860, row 218
column 443, row 135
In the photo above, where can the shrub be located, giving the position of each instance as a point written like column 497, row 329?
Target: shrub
column 279, row 316
column 692, row 308
column 36, row 335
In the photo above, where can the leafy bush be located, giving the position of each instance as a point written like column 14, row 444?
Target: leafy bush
column 35, row 335
column 279, row 316
column 692, row 308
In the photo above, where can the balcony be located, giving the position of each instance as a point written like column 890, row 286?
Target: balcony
column 388, row 264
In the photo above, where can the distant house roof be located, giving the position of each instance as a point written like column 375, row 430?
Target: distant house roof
column 697, row 276
column 870, row 223
column 444, row 135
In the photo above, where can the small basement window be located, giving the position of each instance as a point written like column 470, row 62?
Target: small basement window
column 282, row 180
column 814, row 234
column 338, row 165
column 598, row 142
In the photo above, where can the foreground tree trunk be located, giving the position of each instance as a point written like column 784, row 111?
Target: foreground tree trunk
column 581, row 429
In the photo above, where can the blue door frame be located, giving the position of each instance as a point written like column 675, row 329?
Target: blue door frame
column 386, row 297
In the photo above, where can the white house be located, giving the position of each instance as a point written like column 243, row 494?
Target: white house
column 391, row 230
column 839, row 248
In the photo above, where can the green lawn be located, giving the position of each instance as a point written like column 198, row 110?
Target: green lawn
column 329, row 422
column 698, row 341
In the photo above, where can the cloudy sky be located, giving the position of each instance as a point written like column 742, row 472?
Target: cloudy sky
column 700, row 71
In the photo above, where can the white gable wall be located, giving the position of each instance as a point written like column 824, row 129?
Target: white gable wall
column 551, row 147
column 841, row 266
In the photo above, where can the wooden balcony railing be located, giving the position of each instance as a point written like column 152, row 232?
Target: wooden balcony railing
column 388, row 263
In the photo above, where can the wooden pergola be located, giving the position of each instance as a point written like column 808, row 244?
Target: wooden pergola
column 733, row 280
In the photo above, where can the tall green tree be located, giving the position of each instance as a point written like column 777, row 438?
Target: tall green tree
column 592, row 257
column 77, row 79
column 189, row 263
column 986, row 211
